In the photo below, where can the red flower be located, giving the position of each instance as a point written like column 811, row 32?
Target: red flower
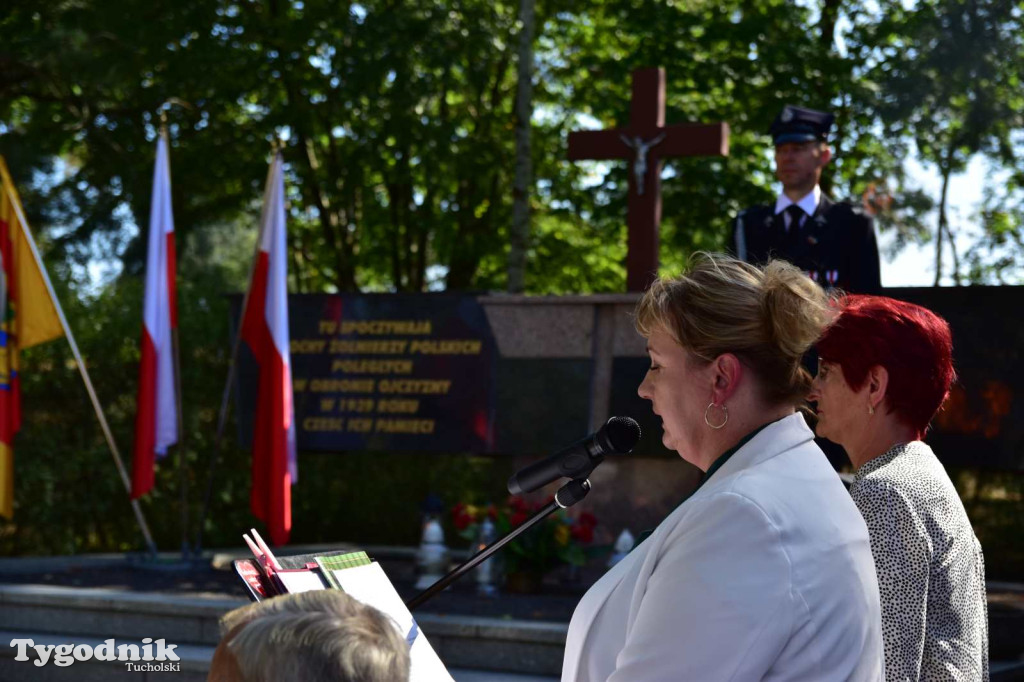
column 587, row 519
column 461, row 517
column 517, row 517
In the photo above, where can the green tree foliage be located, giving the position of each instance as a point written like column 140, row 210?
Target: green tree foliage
column 400, row 120
column 998, row 253
column 949, row 78
column 398, row 125
column 397, row 119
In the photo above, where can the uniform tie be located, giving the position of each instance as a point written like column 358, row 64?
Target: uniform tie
column 796, row 215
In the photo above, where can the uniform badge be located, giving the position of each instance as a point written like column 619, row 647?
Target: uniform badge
column 812, row 240
column 787, row 115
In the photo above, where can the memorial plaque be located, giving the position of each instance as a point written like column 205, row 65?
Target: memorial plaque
column 385, row 372
column 542, row 403
column 411, row 372
column 982, row 423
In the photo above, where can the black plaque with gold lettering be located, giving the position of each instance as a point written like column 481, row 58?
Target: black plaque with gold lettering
column 385, row 372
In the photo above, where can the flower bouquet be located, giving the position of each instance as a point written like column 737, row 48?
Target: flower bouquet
column 556, row 541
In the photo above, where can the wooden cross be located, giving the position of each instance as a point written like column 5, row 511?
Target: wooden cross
column 647, row 141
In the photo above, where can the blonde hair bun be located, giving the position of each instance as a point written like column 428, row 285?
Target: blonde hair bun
column 767, row 316
column 795, row 308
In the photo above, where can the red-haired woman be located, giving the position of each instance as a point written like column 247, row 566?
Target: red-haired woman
column 885, row 368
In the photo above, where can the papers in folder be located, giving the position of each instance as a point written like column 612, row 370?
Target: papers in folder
column 369, row 585
column 355, row 574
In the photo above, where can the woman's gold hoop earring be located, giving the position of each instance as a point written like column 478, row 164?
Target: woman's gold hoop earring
column 724, row 409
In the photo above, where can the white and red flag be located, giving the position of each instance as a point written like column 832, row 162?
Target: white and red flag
column 156, row 422
column 265, row 331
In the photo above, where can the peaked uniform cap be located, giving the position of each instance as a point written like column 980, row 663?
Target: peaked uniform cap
column 797, row 124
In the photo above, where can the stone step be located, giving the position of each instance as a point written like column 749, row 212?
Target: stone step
column 467, row 642
column 475, row 649
column 104, row 612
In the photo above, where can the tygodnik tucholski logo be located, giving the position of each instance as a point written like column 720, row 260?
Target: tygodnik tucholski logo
column 63, row 655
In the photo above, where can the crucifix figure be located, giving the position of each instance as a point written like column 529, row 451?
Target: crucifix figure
column 640, row 147
column 646, row 142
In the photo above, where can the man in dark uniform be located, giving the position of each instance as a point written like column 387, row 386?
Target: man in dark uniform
column 833, row 242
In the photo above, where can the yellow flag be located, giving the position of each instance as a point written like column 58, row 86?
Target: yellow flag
column 28, row 316
column 36, row 317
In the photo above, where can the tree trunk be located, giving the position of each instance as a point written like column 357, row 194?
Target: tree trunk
column 825, row 87
column 470, row 229
column 956, row 256
column 520, row 233
column 943, row 228
column 461, row 264
column 827, row 23
column 395, row 212
column 298, row 271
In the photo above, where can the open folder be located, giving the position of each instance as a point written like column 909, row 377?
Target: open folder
column 356, row 575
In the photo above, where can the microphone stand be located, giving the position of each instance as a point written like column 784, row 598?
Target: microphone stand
column 568, row 495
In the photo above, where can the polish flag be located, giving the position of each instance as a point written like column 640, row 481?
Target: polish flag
column 265, row 330
column 156, row 422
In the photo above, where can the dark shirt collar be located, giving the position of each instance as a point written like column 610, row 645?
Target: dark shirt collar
column 724, row 457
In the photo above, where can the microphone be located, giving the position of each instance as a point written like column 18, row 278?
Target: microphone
column 619, row 435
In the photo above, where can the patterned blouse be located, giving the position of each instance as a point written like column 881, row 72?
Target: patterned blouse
column 931, row 572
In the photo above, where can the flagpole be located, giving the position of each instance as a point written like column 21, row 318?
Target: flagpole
column 222, row 416
column 182, row 478
column 176, row 350
column 88, row 382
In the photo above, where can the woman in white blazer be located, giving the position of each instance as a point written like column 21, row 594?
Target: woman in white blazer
column 765, row 571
